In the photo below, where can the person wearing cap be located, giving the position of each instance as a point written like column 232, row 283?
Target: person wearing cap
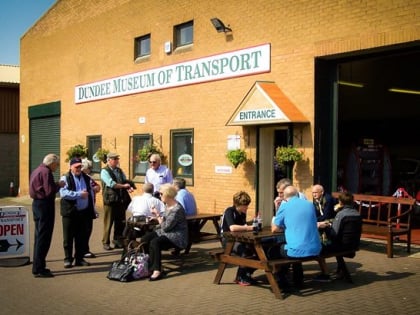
column 87, row 169
column 76, row 210
column 115, row 192
column 43, row 190
column 157, row 174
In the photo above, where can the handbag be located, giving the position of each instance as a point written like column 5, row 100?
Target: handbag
column 140, row 260
column 123, row 269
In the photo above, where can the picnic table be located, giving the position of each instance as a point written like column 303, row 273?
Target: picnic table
column 260, row 262
column 195, row 225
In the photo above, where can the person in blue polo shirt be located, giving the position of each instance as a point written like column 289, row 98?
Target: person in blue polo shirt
column 296, row 217
column 184, row 197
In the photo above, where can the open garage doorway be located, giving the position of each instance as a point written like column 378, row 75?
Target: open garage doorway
column 367, row 117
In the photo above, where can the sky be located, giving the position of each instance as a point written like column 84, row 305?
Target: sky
column 16, row 17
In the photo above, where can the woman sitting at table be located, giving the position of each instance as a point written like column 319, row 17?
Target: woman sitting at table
column 234, row 220
column 172, row 230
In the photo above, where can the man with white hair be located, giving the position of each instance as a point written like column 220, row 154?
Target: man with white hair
column 157, row 174
column 43, row 190
column 296, row 218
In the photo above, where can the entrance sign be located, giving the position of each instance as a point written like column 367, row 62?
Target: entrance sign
column 242, row 62
column 14, row 236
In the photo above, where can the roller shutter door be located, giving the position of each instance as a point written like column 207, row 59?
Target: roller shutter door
column 44, row 139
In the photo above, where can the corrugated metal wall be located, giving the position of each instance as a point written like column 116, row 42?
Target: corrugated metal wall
column 9, row 138
column 9, row 109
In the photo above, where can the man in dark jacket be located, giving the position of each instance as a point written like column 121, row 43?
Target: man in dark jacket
column 324, row 204
column 76, row 210
column 42, row 190
column 116, row 198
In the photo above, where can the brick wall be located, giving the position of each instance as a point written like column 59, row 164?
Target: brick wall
column 80, row 41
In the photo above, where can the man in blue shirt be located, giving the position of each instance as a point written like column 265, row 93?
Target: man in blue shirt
column 184, row 197
column 76, row 210
column 296, row 217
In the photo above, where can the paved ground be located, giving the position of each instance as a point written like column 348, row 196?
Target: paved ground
column 381, row 285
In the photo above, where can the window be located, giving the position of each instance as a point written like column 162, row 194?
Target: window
column 184, row 34
column 182, row 154
column 142, row 46
column 93, row 144
column 138, row 142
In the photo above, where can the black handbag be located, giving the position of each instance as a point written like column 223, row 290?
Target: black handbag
column 122, row 270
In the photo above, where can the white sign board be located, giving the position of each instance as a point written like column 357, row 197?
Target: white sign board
column 14, row 232
column 238, row 63
column 223, row 169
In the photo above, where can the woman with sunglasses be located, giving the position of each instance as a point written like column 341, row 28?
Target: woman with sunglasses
column 171, row 232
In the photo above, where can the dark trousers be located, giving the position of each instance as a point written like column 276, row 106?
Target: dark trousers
column 76, row 231
column 243, row 250
column 44, row 217
column 279, row 251
column 90, row 229
column 155, row 244
column 113, row 215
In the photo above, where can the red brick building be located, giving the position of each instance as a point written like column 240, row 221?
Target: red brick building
column 198, row 77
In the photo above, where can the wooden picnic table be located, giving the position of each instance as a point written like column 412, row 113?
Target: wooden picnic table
column 256, row 241
column 195, row 225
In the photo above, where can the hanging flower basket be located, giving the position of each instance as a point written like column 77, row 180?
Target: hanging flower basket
column 236, row 157
column 100, row 155
column 79, row 150
column 288, row 155
column 144, row 153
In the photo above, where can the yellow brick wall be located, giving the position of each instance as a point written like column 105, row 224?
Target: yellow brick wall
column 79, row 42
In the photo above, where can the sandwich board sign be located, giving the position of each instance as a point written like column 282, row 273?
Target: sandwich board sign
column 14, row 236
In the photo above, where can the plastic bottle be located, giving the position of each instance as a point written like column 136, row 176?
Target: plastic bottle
column 259, row 220
column 255, row 225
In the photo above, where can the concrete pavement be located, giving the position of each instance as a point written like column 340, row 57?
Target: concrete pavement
column 381, row 285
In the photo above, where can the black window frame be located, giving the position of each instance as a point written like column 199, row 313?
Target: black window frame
column 140, row 43
column 181, row 31
column 138, row 169
column 93, row 143
column 177, row 169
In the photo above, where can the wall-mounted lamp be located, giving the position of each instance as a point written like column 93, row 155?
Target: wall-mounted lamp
column 219, row 26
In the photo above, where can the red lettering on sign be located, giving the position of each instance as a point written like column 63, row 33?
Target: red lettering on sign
column 11, row 229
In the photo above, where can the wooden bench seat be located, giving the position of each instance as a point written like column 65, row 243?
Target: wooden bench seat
column 385, row 216
column 273, row 265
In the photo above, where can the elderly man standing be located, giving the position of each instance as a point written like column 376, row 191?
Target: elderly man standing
column 43, row 190
column 157, row 174
column 115, row 188
column 77, row 209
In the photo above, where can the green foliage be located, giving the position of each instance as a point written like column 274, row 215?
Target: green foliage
column 101, row 154
column 79, row 150
column 236, row 157
column 288, row 154
column 144, row 153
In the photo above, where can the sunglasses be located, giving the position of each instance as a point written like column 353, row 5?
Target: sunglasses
column 152, row 162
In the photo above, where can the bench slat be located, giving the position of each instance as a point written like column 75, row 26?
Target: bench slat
column 373, row 209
